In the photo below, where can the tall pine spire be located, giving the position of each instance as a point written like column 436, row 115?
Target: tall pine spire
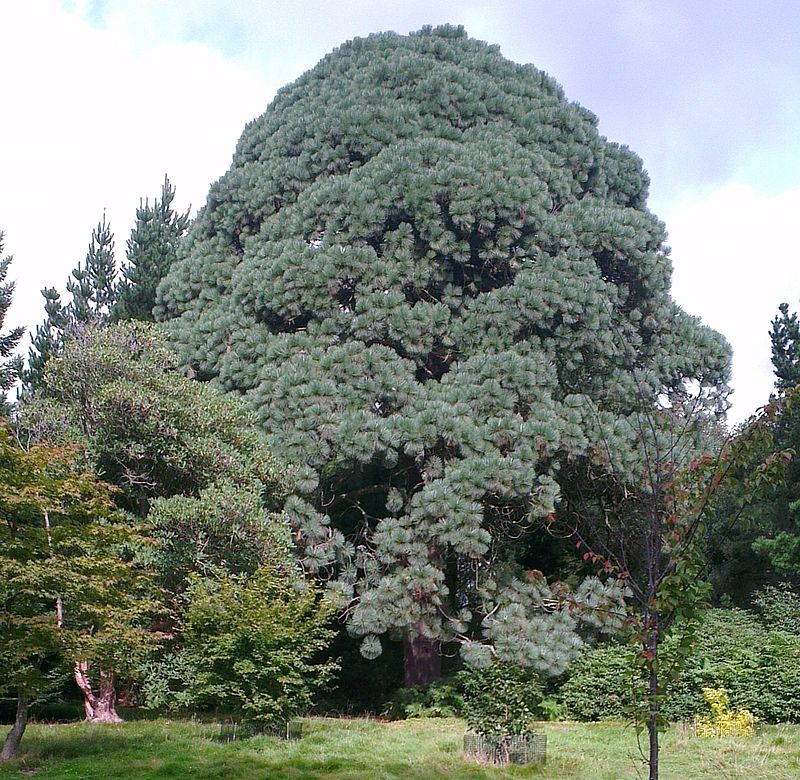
column 151, row 251
column 10, row 365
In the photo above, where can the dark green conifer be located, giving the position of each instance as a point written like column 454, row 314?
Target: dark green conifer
column 92, row 284
column 436, row 283
column 46, row 342
column 11, row 365
column 92, row 287
column 785, row 338
column 151, row 251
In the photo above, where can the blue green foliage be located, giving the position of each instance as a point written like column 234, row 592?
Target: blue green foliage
column 436, row 284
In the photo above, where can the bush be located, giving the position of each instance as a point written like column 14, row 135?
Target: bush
column 779, row 608
column 758, row 666
column 249, row 645
column 502, row 700
column 441, row 699
column 603, row 683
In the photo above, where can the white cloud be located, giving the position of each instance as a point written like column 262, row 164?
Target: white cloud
column 93, row 122
column 735, row 253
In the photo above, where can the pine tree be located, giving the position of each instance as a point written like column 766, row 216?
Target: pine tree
column 92, row 287
column 92, row 284
column 47, row 341
column 151, row 251
column 437, row 284
column 785, row 338
column 10, row 366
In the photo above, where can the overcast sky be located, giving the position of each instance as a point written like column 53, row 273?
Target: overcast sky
column 100, row 98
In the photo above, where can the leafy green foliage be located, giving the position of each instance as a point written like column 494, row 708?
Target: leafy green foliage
column 779, row 608
column 188, row 461
column 501, row 700
column 225, row 527
column 765, row 549
column 436, row 283
column 442, row 698
column 756, row 663
column 249, row 644
column 66, row 592
column 603, row 683
column 146, row 427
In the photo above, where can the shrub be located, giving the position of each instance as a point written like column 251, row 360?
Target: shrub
column 603, row 683
column 249, row 645
column 501, row 700
column 758, row 667
column 441, row 699
column 723, row 721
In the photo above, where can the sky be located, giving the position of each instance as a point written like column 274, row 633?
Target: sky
column 100, row 98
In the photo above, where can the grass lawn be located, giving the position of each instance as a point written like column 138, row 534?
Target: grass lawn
column 405, row 750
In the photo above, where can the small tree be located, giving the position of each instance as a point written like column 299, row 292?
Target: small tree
column 250, row 644
column 92, row 284
column 67, row 596
column 639, row 517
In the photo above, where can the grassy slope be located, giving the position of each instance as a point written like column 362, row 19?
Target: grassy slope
column 410, row 750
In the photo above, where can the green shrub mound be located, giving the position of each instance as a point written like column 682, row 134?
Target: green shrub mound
column 756, row 664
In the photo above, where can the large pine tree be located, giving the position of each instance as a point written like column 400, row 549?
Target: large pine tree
column 436, row 283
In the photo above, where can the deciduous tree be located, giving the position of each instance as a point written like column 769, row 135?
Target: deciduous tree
column 67, row 596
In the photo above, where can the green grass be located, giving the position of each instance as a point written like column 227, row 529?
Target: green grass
column 407, row 750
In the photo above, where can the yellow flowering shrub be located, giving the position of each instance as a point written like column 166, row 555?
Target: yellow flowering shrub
column 723, row 721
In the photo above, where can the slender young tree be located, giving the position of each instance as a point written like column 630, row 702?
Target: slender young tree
column 639, row 512
column 93, row 283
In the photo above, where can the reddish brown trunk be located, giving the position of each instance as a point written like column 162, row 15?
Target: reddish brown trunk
column 422, row 661
column 14, row 737
column 100, row 708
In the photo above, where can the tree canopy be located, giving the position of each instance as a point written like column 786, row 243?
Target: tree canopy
column 436, row 283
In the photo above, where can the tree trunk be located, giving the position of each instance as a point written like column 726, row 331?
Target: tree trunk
column 653, row 706
column 422, row 661
column 103, row 707
column 11, row 745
